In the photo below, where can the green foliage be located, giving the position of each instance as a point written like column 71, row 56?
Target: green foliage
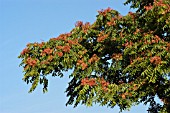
column 117, row 60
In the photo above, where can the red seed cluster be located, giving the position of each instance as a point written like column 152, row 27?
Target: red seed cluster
column 35, row 44
column 50, row 58
column 125, row 95
column 87, row 81
column 120, row 82
column 72, row 42
column 104, row 12
column 168, row 46
column 26, row 67
column 93, row 82
column 159, row 3
column 45, row 62
column 65, row 49
column 111, row 22
column 94, row 58
column 128, row 44
column 85, row 27
column 155, row 39
column 31, row 62
column 104, row 84
column 79, row 24
column 117, row 56
column 148, row 7
column 60, row 54
column 135, row 87
column 137, row 31
column 48, row 51
column 101, row 37
column 24, row 51
column 41, row 44
column 82, row 64
column 59, row 47
column 165, row 100
column 155, row 60
column 132, row 15
column 62, row 37
column 28, row 44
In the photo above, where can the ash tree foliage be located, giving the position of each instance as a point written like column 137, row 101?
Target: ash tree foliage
column 117, row 60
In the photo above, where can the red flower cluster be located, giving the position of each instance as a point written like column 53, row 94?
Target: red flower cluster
column 24, row 51
column 31, row 62
column 155, row 60
column 94, row 58
column 87, row 81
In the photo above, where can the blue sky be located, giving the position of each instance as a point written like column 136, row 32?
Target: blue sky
column 24, row 21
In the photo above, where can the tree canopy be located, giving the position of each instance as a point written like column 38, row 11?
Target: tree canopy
column 117, row 60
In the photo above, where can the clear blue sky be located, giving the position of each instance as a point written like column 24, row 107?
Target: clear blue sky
column 24, row 21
